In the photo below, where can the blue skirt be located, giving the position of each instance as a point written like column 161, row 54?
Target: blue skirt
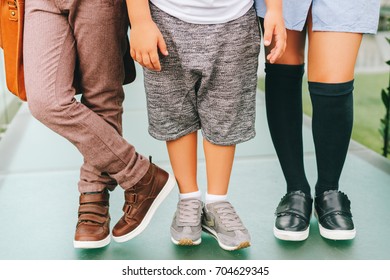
column 357, row 16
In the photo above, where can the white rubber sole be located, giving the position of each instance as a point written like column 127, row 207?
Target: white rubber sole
column 149, row 215
column 291, row 235
column 186, row 241
column 212, row 232
column 337, row 234
column 92, row 244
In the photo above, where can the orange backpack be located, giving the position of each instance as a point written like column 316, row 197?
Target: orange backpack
column 11, row 41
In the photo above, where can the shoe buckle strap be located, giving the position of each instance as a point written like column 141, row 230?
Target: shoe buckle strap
column 92, row 218
column 334, row 212
column 131, row 198
column 93, row 209
column 295, row 205
column 333, row 203
column 127, row 208
column 94, row 197
column 295, row 213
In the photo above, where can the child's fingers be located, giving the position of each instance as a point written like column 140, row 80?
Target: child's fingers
column 275, row 53
column 151, row 61
column 267, row 36
column 133, row 54
column 271, row 56
column 155, row 61
column 138, row 57
column 161, row 45
column 279, row 42
column 142, row 59
column 146, row 54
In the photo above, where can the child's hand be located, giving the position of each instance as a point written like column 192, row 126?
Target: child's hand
column 275, row 33
column 145, row 41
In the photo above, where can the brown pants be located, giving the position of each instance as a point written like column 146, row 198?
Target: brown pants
column 89, row 37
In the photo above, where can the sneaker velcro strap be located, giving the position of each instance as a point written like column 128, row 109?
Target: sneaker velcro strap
column 93, row 208
column 92, row 218
column 332, row 202
column 131, row 197
column 295, row 203
column 127, row 208
column 102, row 197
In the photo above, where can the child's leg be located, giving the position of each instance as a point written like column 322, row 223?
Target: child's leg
column 183, row 156
column 219, row 163
column 226, row 105
column 332, row 57
column 186, row 228
column 219, row 217
column 283, row 95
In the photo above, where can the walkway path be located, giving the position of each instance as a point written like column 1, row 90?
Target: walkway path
column 39, row 198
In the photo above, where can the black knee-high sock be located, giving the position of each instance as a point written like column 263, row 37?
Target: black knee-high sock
column 332, row 126
column 283, row 88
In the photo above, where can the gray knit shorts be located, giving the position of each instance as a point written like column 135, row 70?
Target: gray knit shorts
column 208, row 80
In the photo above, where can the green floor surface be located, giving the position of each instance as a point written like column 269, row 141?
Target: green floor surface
column 39, row 197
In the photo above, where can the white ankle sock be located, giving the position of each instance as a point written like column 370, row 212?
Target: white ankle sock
column 191, row 195
column 210, row 198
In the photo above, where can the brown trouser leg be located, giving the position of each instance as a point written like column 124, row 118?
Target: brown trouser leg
column 57, row 34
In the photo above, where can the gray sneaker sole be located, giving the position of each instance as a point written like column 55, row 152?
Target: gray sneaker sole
column 214, row 234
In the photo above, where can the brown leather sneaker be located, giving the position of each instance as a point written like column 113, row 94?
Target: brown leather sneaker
column 141, row 201
column 93, row 226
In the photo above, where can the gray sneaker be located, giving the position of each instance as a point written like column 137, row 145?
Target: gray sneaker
column 222, row 222
column 186, row 226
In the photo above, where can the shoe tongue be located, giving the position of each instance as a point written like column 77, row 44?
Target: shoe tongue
column 228, row 216
column 187, row 223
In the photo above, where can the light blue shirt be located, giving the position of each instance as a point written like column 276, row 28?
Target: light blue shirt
column 358, row 16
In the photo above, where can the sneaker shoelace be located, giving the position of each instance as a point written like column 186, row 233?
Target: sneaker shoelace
column 228, row 216
column 188, row 211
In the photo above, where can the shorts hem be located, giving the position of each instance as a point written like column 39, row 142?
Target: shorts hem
column 346, row 30
column 176, row 136
column 363, row 30
column 232, row 142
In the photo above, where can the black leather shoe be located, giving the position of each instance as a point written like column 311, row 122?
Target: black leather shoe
column 293, row 216
column 333, row 212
